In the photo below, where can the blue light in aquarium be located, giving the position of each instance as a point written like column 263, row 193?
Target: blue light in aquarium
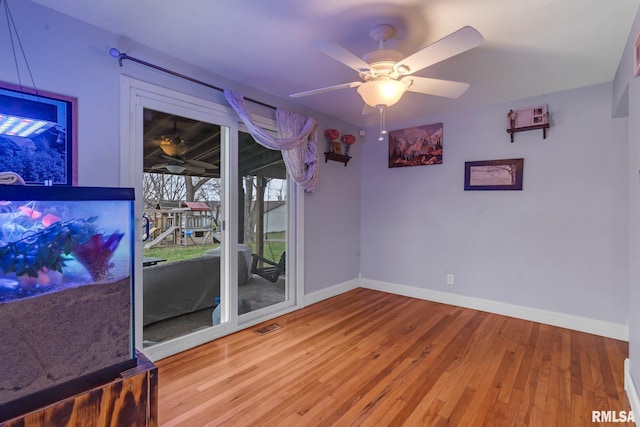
column 20, row 126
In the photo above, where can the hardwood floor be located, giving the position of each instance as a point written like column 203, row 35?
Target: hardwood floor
column 372, row 358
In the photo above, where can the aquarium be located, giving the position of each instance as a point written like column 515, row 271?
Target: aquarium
column 66, row 292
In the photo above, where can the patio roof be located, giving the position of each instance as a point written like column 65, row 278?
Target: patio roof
column 203, row 145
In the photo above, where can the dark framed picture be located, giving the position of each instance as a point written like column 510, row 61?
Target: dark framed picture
column 493, row 174
column 416, row 146
column 38, row 136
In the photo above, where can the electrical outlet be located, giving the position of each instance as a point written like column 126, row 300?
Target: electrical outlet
column 450, row 279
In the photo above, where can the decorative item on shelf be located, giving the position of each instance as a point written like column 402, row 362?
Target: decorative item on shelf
column 335, row 147
column 512, row 119
column 528, row 119
column 348, row 140
column 331, row 135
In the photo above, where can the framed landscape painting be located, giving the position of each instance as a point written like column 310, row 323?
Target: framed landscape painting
column 38, row 136
column 416, row 146
column 493, row 174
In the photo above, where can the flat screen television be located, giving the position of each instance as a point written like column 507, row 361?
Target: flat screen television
column 66, row 292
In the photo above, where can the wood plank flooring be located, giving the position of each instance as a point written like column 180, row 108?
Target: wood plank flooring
column 375, row 359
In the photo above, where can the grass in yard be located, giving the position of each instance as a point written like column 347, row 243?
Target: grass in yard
column 272, row 250
column 178, row 253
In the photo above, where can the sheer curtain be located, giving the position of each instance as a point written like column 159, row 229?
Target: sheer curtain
column 297, row 140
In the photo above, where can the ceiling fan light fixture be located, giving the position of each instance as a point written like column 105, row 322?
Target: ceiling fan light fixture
column 172, row 146
column 383, row 91
column 175, row 168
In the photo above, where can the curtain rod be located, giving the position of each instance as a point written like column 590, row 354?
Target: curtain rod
column 122, row 56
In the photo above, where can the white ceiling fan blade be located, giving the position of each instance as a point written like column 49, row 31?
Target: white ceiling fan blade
column 444, row 88
column 455, row 43
column 325, row 89
column 159, row 165
column 341, row 54
column 201, row 164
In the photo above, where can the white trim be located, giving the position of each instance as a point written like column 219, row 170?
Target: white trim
column 298, row 241
column 228, row 245
column 330, row 292
column 631, row 389
column 577, row 323
column 136, row 96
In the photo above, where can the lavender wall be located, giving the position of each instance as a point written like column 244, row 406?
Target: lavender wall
column 69, row 57
column 559, row 245
column 332, row 227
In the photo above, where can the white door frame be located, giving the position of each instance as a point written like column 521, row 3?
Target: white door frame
column 136, row 95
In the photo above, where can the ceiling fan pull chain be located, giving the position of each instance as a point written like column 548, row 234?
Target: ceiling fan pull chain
column 383, row 129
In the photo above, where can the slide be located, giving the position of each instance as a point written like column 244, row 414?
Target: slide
column 161, row 237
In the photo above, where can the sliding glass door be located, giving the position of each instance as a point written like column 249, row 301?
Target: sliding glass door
column 183, row 213
column 216, row 221
column 263, row 223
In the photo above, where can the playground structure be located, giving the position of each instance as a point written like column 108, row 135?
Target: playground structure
column 191, row 224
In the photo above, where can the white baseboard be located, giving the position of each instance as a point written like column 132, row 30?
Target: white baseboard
column 330, row 292
column 630, row 388
column 577, row 323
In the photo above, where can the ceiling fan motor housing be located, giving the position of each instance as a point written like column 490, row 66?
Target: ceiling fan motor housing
column 382, row 62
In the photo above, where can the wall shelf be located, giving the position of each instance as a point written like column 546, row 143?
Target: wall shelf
column 528, row 119
column 336, row 157
column 544, row 128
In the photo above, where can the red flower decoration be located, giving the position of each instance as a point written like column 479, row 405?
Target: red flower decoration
column 349, row 139
column 331, row 134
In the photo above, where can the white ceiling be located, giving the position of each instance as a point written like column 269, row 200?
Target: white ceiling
column 531, row 47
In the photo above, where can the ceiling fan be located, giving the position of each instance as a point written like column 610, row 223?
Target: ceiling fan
column 174, row 148
column 178, row 165
column 385, row 74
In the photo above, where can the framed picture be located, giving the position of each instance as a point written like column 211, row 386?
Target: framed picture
column 336, row 147
column 493, row 175
column 38, row 136
column 636, row 56
column 416, row 146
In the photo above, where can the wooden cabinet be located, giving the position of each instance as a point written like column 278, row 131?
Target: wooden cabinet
column 130, row 400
